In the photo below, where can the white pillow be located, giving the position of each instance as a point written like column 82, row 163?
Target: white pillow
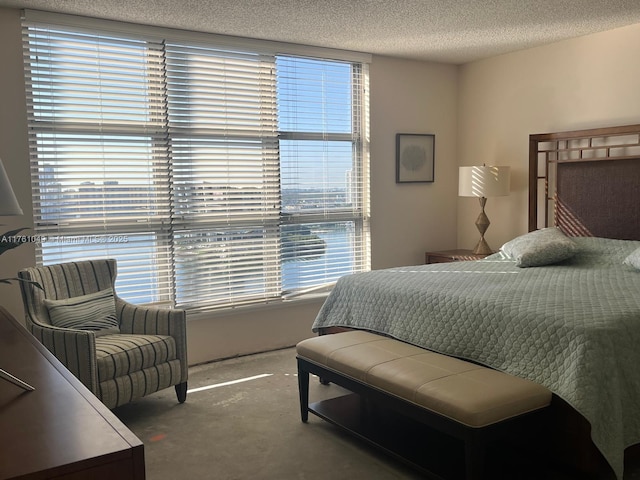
column 633, row 260
column 95, row 312
column 540, row 247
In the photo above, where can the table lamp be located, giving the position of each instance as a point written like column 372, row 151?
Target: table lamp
column 483, row 181
column 9, row 206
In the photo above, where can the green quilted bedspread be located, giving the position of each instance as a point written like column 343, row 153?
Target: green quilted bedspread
column 573, row 327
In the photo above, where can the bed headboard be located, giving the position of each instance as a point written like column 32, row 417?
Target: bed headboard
column 587, row 182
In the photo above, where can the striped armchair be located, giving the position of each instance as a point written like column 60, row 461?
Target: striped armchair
column 148, row 354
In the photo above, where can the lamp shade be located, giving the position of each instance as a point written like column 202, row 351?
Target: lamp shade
column 483, row 181
column 8, row 201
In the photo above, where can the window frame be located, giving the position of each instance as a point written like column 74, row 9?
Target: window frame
column 162, row 138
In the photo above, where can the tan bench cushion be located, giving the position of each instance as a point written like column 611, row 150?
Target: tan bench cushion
column 471, row 394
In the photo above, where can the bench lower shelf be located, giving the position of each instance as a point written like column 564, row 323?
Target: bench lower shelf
column 435, row 455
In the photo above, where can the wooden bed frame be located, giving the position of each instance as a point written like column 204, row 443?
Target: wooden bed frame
column 586, row 182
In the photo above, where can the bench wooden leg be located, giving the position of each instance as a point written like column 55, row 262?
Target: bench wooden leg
column 474, row 459
column 303, row 390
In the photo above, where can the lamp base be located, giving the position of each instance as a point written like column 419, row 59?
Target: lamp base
column 482, row 223
column 4, row 375
column 482, row 248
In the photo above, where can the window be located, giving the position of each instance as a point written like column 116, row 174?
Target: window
column 324, row 233
column 217, row 174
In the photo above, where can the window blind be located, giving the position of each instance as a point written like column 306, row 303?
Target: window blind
column 325, row 220
column 224, row 153
column 98, row 154
column 215, row 174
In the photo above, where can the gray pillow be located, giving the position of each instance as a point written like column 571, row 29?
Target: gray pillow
column 633, row 260
column 540, row 247
column 95, row 312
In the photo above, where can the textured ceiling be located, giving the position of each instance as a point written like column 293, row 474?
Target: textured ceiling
column 452, row 31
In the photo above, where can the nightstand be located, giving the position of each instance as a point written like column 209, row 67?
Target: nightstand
column 445, row 256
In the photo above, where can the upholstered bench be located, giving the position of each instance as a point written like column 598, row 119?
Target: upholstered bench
column 467, row 401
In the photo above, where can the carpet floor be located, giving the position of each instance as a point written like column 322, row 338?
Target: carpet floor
column 241, row 421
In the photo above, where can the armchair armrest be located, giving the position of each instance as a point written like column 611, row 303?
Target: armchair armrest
column 145, row 320
column 76, row 349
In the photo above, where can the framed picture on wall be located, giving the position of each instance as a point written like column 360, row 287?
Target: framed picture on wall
column 415, row 157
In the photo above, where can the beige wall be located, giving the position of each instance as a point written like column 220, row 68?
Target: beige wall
column 406, row 97
column 409, row 218
column 586, row 82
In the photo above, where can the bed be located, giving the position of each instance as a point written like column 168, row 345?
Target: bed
column 559, row 305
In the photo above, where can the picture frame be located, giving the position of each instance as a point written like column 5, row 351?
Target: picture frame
column 415, row 157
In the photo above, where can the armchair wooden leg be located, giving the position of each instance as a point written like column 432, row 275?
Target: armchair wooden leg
column 181, row 392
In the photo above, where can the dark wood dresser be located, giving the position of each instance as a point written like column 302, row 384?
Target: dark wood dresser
column 59, row 430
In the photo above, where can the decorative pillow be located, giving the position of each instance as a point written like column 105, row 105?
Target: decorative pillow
column 95, row 312
column 541, row 247
column 633, row 260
